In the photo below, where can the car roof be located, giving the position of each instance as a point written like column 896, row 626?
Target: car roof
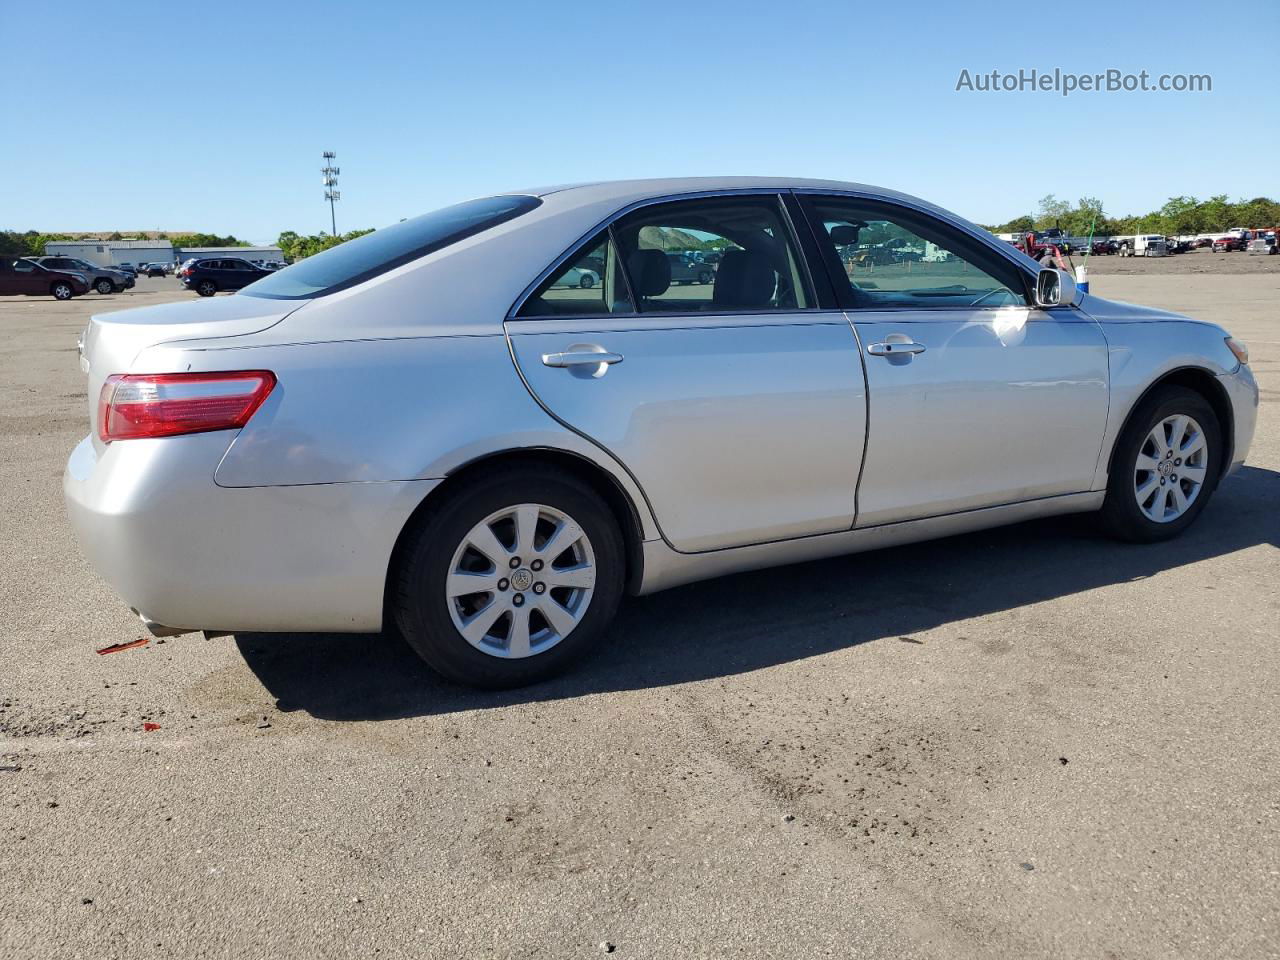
column 647, row 189
column 616, row 194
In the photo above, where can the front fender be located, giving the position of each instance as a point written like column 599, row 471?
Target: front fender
column 1142, row 354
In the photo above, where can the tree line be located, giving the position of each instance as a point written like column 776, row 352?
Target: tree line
column 1180, row 216
column 296, row 246
column 31, row 243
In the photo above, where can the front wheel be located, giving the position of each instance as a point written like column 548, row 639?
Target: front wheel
column 206, row 288
column 62, row 291
column 510, row 580
column 705, row 277
column 1166, row 465
column 104, row 286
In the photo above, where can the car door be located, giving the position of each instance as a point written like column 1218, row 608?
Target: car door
column 738, row 407
column 9, row 280
column 29, row 278
column 976, row 397
column 235, row 274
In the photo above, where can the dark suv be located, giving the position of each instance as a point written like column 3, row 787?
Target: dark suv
column 207, row 277
column 102, row 279
column 19, row 276
column 686, row 269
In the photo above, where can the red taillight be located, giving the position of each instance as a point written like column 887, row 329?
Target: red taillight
column 169, row 404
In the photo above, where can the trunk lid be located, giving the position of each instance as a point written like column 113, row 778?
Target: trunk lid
column 112, row 341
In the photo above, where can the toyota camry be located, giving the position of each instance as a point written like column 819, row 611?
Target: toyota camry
column 440, row 428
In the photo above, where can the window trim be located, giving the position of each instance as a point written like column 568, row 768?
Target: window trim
column 779, row 195
column 968, row 240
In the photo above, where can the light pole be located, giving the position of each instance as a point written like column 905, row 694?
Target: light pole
column 330, row 184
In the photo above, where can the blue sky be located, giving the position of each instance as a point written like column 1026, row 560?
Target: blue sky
column 213, row 116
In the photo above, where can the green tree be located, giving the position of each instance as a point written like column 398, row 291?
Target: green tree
column 1052, row 210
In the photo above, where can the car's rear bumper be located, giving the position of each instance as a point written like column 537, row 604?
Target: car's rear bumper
column 187, row 554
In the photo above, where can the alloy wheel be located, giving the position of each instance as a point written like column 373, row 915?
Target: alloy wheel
column 521, row 580
column 1171, row 468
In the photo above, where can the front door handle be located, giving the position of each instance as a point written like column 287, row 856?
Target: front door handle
column 895, row 348
column 580, row 358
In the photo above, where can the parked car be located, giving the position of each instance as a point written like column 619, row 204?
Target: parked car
column 425, row 423
column 207, row 277
column 1104, row 247
column 128, row 269
column 578, row 277
column 25, row 277
column 1228, row 244
column 685, row 269
column 103, row 279
column 155, row 270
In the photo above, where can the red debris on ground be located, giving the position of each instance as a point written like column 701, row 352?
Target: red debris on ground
column 149, row 726
column 117, row 647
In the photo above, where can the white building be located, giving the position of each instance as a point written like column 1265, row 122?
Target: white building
column 245, row 253
column 108, row 253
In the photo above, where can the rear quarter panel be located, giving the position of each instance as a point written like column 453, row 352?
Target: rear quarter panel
column 361, row 411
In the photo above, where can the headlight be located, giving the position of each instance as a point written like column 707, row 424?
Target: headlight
column 1239, row 348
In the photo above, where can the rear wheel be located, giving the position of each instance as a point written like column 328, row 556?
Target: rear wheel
column 61, row 290
column 510, row 580
column 1166, row 466
column 206, row 288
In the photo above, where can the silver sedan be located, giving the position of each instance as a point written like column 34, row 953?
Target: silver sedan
column 440, row 426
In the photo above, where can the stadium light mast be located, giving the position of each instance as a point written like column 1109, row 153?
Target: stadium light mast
column 330, row 188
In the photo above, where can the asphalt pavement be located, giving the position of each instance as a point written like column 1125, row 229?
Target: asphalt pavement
column 1028, row 743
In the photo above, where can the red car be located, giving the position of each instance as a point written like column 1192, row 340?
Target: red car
column 19, row 276
column 1228, row 243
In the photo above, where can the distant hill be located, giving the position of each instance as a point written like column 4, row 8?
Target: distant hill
column 672, row 238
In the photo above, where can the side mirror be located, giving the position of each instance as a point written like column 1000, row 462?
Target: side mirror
column 1054, row 288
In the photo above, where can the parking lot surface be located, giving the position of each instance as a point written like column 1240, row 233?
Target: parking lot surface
column 1030, row 742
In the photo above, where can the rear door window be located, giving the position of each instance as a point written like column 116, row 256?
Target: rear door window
column 730, row 254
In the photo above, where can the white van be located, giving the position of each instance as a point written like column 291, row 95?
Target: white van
column 1143, row 245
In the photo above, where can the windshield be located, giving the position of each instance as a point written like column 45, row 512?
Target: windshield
column 366, row 257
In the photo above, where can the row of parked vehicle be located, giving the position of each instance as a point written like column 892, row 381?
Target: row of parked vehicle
column 59, row 277
column 1150, row 245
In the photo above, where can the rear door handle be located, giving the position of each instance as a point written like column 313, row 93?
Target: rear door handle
column 580, row 358
column 893, row 349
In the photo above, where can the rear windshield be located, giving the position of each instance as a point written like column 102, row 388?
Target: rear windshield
column 358, row 260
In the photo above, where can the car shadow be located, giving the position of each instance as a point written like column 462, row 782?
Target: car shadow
column 752, row 620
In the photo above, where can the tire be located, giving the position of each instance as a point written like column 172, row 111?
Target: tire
column 61, row 290
column 585, row 282
column 1123, row 513
column 438, row 545
column 705, row 277
column 206, row 288
column 104, row 286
